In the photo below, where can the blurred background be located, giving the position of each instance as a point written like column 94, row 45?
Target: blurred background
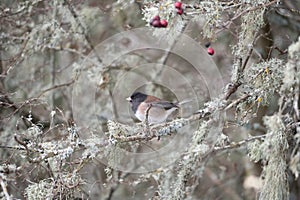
column 53, row 59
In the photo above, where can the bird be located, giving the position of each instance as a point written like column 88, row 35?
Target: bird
column 158, row 110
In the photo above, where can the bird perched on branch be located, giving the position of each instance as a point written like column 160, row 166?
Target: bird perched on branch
column 158, row 110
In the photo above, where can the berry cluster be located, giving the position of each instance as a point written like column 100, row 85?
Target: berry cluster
column 157, row 22
column 178, row 6
column 210, row 50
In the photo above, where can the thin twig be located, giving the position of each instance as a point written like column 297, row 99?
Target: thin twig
column 4, row 189
column 253, row 9
column 87, row 38
column 237, row 101
column 22, row 143
column 235, row 145
column 231, row 88
column 10, row 147
column 55, row 87
column 147, row 120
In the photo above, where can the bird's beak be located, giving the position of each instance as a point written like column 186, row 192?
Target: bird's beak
column 128, row 99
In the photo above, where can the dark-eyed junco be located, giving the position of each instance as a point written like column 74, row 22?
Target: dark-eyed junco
column 159, row 109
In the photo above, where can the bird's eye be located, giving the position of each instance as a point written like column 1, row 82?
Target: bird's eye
column 130, row 101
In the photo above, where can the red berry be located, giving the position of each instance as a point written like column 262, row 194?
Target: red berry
column 156, row 23
column 156, row 17
column 210, row 51
column 164, row 23
column 178, row 5
column 180, row 11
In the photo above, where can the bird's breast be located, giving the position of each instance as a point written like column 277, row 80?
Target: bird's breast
column 155, row 114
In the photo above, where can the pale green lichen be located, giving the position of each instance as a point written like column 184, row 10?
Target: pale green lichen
column 263, row 80
column 41, row 190
column 196, row 150
column 172, row 127
column 274, row 148
column 290, row 88
column 292, row 72
column 294, row 164
column 116, row 129
column 212, row 13
column 255, row 152
column 251, row 23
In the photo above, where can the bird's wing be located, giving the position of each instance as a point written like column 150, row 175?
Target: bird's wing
column 164, row 104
